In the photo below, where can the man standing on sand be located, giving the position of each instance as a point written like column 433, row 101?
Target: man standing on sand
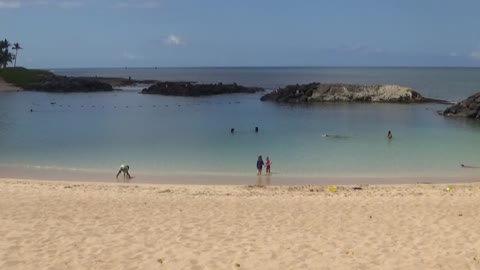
column 124, row 168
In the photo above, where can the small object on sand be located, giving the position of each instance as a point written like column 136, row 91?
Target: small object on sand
column 237, row 264
column 460, row 215
column 357, row 188
column 332, row 188
column 160, row 260
column 448, row 189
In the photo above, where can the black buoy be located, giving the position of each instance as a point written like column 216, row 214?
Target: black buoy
column 232, row 130
column 256, row 129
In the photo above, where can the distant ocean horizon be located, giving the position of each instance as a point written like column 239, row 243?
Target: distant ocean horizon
column 170, row 139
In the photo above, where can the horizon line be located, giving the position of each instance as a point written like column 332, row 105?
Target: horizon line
column 293, row 66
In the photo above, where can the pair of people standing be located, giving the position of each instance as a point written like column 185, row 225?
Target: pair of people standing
column 260, row 165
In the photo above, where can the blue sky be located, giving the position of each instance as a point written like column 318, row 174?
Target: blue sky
column 118, row 33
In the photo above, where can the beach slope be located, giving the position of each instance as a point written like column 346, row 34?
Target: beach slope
column 56, row 225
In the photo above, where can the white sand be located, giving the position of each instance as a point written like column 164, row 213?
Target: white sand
column 65, row 225
column 4, row 86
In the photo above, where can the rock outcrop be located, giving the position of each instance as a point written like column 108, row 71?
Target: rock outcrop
column 195, row 90
column 468, row 108
column 339, row 92
column 68, row 85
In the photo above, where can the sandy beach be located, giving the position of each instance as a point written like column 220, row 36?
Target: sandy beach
column 6, row 87
column 74, row 225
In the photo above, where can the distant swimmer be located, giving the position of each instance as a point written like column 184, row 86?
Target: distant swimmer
column 232, row 130
column 469, row 167
column 334, row 136
column 256, row 129
column 389, row 135
column 124, row 168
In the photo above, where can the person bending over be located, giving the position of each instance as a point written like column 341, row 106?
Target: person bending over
column 124, row 168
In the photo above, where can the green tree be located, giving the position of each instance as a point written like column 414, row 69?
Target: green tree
column 5, row 55
column 16, row 47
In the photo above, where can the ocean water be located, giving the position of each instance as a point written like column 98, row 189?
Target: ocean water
column 188, row 140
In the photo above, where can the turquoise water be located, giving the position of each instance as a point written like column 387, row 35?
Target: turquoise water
column 163, row 136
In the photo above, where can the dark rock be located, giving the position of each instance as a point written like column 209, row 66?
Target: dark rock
column 67, row 85
column 469, row 108
column 195, row 90
column 319, row 92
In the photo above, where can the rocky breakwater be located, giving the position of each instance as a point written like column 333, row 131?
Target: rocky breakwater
column 194, row 90
column 339, row 92
column 62, row 84
column 469, row 108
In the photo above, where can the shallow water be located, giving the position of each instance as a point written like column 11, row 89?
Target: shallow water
column 162, row 137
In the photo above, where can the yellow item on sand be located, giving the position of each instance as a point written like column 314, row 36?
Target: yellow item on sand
column 332, row 188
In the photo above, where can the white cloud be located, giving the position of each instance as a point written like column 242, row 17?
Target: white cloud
column 70, row 4
column 358, row 49
column 40, row 3
column 173, row 40
column 131, row 56
column 10, row 4
column 475, row 55
column 148, row 4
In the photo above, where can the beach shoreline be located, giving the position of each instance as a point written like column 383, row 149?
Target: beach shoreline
column 78, row 225
column 42, row 173
column 7, row 87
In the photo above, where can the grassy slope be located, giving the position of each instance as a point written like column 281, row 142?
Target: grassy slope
column 21, row 76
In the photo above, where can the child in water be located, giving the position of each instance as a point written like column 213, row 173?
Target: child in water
column 267, row 165
column 259, row 165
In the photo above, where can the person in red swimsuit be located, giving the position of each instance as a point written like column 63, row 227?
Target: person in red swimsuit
column 267, row 165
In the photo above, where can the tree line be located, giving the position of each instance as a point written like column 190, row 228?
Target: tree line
column 6, row 56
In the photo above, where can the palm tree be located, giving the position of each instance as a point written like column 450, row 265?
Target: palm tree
column 5, row 56
column 16, row 47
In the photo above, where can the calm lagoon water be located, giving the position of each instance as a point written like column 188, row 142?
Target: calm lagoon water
column 75, row 135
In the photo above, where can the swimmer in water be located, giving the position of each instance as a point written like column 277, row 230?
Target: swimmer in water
column 469, row 167
column 334, row 136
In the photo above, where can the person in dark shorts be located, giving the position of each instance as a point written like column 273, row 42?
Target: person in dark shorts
column 124, row 168
column 389, row 135
column 259, row 165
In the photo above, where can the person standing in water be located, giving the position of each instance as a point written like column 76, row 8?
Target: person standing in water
column 267, row 165
column 124, row 168
column 259, row 165
column 389, row 135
